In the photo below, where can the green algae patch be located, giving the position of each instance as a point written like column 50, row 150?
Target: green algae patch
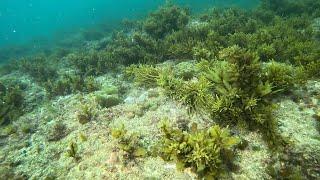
column 209, row 153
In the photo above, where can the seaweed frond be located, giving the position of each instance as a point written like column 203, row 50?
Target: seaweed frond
column 209, row 153
column 129, row 143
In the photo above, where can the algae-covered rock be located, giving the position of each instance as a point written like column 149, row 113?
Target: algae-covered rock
column 86, row 114
column 110, row 90
column 185, row 70
column 57, row 132
column 108, row 101
column 27, row 127
column 7, row 130
column 11, row 103
column 108, row 96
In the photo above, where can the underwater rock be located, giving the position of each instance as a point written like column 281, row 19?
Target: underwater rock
column 110, row 90
column 185, row 70
column 108, row 101
column 8, row 130
column 137, row 97
column 57, row 132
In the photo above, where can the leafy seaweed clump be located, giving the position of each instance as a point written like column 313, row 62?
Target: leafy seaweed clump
column 241, row 95
column 282, row 76
column 166, row 20
column 57, row 132
column 11, row 103
column 86, row 113
column 209, row 153
column 129, row 143
column 194, row 94
column 292, row 8
column 134, row 48
column 144, row 75
column 73, row 151
column 92, row 63
column 71, row 83
column 190, row 93
column 40, row 68
column 238, row 93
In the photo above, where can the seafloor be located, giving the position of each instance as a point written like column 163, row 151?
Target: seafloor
column 37, row 155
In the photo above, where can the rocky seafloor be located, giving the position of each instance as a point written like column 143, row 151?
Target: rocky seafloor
column 36, row 145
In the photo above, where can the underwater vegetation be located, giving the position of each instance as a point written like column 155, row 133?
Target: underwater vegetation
column 244, row 61
column 166, row 20
column 129, row 143
column 86, row 113
column 11, row 103
column 38, row 68
column 57, row 132
column 72, row 151
column 292, row 8
column 230, row 66
column 133, row 49
column 209, row 153
column 93, row 63
column 71, row 83
column 144, row 75
column 230, row 88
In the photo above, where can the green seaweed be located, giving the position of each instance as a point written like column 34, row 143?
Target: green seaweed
column 129, row 143
column 144, row 75
column 72, row 151
column 40, row 68
column 166, row 20
column 134, row 48
column 108, row 101
column 71, row 83
column 86, row 113
column 209, row 153
column 58, row 131
column 194, row 94
column 12, row 103
column 231, row 89
column 93, row 63
column 282, row 76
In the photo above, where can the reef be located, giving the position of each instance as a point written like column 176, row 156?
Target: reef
column 228, row 93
